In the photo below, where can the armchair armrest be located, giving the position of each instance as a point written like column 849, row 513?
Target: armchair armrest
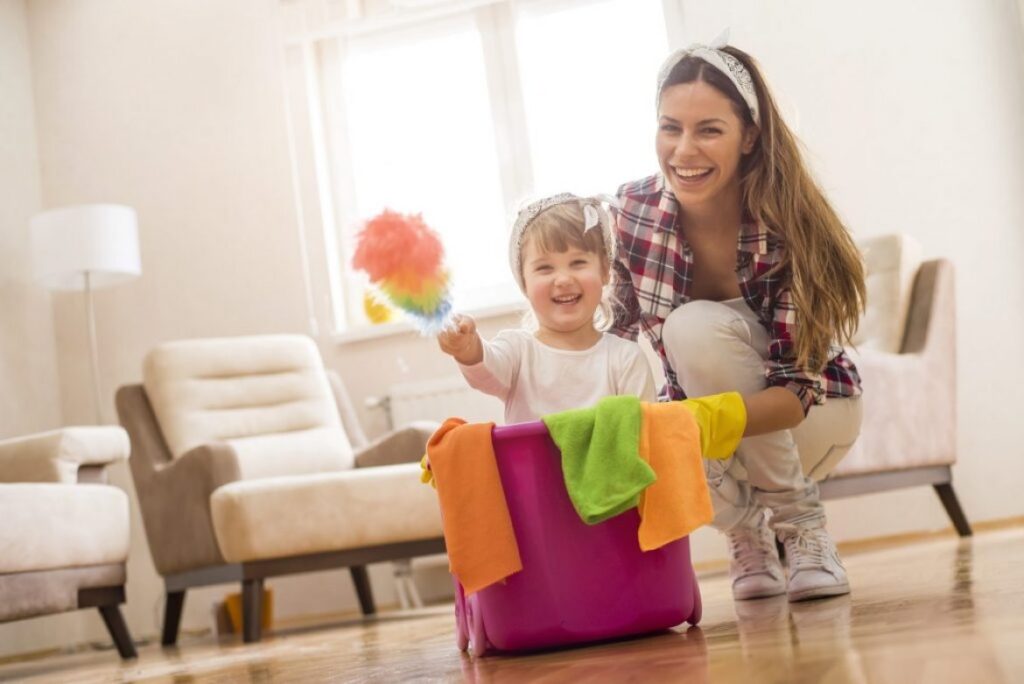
column 176, row 507
column 59, row 455
column 406, row 445
column 174, row 494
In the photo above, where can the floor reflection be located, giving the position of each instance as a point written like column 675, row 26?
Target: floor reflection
column 941, row 610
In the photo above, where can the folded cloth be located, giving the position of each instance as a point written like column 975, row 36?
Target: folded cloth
column 603, row 471
column 678, row 502
column 477, row 526
column 722, row 418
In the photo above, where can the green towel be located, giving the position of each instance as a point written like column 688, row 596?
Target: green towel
column 603, row 471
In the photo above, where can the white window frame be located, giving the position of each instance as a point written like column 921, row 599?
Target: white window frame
column 323, row 54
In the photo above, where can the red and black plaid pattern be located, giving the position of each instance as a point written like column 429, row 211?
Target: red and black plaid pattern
column 653, row 277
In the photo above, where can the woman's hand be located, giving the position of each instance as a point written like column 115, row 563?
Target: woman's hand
column 462, row 341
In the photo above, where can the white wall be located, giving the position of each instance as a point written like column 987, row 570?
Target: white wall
column 914, row 121
column 29, row 397
column 27, row 350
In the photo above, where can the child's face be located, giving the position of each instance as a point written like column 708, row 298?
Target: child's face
column 564, row 288
column 700, row 141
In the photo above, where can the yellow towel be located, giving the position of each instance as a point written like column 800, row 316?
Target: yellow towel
column 677, row 503
column 478, row 530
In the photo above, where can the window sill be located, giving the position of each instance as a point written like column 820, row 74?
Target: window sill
column 372, row 332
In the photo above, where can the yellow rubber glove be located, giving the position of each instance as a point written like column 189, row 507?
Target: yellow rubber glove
column 722, row 418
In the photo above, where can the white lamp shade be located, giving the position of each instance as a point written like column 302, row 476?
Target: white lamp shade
column 99, row 239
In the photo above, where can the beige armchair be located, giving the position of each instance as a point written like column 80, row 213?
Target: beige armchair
column 906, row 354
column 248, row 464
column 64, row 532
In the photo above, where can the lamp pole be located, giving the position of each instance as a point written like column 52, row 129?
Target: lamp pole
column 93, row 353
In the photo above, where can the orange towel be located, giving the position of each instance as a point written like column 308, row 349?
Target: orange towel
column 677, row 503
column 478, row 531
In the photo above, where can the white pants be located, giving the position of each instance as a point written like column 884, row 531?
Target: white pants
column 720, row 347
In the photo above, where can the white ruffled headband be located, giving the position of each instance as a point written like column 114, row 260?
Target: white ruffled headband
column 713, row 54
column 597, row 213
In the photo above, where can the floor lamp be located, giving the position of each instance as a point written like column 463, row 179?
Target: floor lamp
column 84, row 248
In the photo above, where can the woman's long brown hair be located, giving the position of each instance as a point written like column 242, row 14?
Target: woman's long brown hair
column 821, row 262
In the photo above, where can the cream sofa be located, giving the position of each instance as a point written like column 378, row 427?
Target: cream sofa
column 245, row 467
column 906, row 354
column 63, row 531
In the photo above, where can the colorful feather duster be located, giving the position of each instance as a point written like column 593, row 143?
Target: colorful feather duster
column 405, row 260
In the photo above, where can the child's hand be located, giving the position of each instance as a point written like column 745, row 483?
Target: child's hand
column 462, row 341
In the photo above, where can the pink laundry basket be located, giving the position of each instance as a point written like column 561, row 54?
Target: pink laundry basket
column 579, row 582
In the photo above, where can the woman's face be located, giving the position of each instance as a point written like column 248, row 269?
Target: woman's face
column 700, row 142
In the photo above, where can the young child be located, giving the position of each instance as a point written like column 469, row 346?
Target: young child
column 560, row 252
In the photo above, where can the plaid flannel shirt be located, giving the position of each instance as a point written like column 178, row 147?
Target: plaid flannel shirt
column 653, row 277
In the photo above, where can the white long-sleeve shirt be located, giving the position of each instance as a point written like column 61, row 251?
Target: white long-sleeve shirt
column 534, row 379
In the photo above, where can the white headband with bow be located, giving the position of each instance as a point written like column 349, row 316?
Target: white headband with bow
column 597, row 213
column 713, row 54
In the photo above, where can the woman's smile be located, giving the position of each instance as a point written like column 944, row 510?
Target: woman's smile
column 691, row 176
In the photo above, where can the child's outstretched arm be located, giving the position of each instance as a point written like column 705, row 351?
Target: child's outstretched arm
column 461, row 341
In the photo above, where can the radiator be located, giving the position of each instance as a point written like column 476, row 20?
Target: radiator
column 441, row 398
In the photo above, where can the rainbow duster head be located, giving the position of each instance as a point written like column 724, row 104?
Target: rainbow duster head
column 405, row 260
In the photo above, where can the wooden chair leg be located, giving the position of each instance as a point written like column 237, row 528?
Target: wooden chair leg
column 952, row 505
column 363, row 589
column 114, row 621
column 252, row 608
column 172, row 617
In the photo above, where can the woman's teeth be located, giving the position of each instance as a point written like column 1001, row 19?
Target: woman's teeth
column 692, row 174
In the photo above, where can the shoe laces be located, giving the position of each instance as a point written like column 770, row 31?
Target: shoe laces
column 809, row 549
column 751, row 549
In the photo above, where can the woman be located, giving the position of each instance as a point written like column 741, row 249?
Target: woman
column 742, row 276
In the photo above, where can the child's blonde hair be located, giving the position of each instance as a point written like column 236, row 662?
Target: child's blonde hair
column 560, row 227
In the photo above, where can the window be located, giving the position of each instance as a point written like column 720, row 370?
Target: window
column 424, row 144
column 588, row 74
column 463, row 115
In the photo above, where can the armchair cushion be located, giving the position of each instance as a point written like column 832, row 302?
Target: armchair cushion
column 56, row 456
column 288, row 516
column 290, row 453
column 50, row 526
column 255, row 393
column 891, row 262
column 908, row 416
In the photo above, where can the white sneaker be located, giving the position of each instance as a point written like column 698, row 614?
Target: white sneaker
column 754, row 565
column 815, row 570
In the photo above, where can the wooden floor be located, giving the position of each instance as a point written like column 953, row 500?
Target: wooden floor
column 937, row 610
